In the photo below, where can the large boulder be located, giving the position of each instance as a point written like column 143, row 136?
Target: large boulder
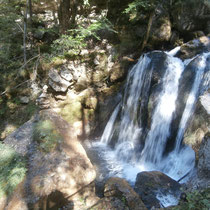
column 118, row 187
column 150, row 184
column 56, row 162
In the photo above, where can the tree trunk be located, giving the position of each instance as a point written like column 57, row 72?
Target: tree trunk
column 30, row 9
column 25, row 33
column 64, row 15
column 146, row 37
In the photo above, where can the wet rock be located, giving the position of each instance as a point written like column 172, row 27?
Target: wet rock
column 199, row 124
column 194, row 47
column 119, row 188
column 56, row 82
column 204, row 158
column 150, row 184
column 185, row 86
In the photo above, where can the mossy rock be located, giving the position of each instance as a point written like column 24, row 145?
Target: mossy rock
column 46, row 136
column 72, row 111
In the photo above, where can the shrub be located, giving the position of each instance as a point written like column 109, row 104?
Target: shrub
column 76, row 39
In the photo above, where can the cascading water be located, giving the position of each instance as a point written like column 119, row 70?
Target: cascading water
column 161, row 120
column 140, row 126
column 190, row 104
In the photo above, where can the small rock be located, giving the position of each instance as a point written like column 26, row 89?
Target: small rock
column 24, row 99
column 57, row 83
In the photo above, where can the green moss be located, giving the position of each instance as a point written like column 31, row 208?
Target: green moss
column 46, row 135
column 12, row 169
column 71, row 112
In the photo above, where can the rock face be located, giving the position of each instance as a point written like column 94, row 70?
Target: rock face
column 150, row 184
column 199, row 125
column 191, row 18
column 204, row 158
column 66, row 168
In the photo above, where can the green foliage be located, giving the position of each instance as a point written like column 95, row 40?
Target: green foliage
column 12, row 169
column 196, row 200
column 137, row 5
column 10, row 33
column 76, row 39
column 46, row 135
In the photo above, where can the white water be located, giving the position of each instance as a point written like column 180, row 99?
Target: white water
column 109, row 129
column 162, row 117
column 191, row 101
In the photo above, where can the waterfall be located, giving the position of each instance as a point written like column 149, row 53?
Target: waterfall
column 136, row 136
column 161, row 120
column 109, row 129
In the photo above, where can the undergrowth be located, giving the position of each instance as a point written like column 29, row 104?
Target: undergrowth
column 12, row 169
column 195, row 200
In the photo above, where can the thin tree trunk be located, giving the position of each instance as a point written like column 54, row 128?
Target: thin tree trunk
column 30, row 9
column 149, row 25
column 25, row 33
column 64, row 15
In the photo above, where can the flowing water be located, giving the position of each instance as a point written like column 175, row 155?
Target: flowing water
column 128, row 144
